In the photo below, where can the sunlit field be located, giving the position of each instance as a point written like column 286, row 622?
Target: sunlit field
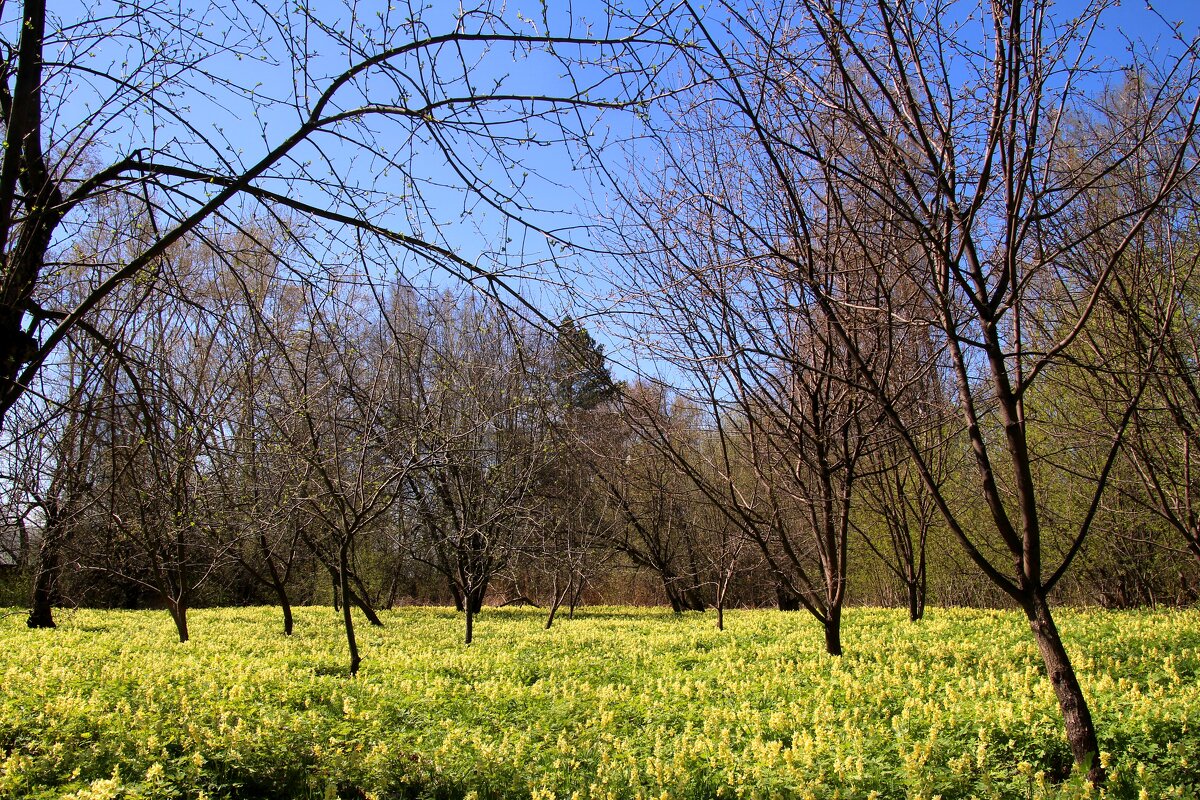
column 615, row 703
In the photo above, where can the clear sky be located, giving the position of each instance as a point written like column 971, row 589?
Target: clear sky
column 406, row 178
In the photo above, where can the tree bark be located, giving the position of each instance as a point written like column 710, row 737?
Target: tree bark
column 286, row 607
column 1081, row 732
column 692, row 600
column 833, row 631
column 347, row 608
column 280, row 590
column 916, row 602
column 557, row 599
column 179, row 615
column 474, row 598
column 365, row 607
column 456, row 593
column 673, row 598
column 45, row 584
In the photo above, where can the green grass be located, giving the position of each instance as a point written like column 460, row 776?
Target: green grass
column 616, row 703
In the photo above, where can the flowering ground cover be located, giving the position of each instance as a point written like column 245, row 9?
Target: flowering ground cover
column 616, row 703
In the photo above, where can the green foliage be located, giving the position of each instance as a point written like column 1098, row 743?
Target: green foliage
column 613, row 704
column 581, row 375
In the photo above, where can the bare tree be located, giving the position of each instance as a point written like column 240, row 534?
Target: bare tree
column 486, row 444
column 1146, row 336
column 351, row 451
column 48, row 478
column 355, row 119
column 162, row 408
column 894, row 495
column 895, row 146
column 254, row 509
column 655, row 500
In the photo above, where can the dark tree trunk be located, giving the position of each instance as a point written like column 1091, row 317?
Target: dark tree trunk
column 576, row 597
column 556, row 600
column 470, row 635
column 833, row 631
column 286, row 607
column 787, row 599
column 280, row 591
column 365, row 607
column 1081, row 732
column 179, row 611
column 393, row 590
column 720, row 615
column 45, row 584
column 474, row 598
column 673, row 597
column 916, row 601
column 347, row 611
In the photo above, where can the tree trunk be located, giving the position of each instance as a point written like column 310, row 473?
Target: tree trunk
column 286, row 606
column 45, row 584
column 365, row 607
column 720, row 615
column 556, row 600
column 347, row 610
column 474, row 599
column 1081, row 732
column 179, row 615
column 833, row 631
column 470, row 624
column 576, row 597
column 787, row 599
column 457, row 594
column 916, row 602
column 676, row 603
column 280, row 592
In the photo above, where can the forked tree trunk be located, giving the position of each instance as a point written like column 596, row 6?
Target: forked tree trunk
column 474, row 598
column 1081, row 732
column 557, row 599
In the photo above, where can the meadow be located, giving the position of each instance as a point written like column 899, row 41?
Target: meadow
column 615, row 703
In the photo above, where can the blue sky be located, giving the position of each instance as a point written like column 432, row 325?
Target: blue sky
column 421, row 194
